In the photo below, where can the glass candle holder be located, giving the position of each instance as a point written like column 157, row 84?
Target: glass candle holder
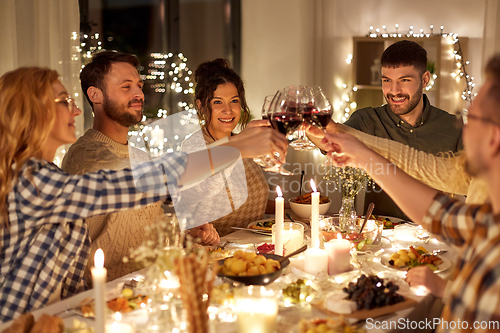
column 405, row 235
column 292, row 235
column 257, row 309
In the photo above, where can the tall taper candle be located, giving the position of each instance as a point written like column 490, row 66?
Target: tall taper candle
column 99, row 285
column 314, row 216
column 278, row 218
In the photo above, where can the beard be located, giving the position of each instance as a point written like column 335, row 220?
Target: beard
column 413, row 102
column 120, row 113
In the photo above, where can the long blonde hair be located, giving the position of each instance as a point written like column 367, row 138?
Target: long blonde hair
column 27, row 114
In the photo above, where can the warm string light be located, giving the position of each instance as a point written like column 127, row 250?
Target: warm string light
column 461, row 71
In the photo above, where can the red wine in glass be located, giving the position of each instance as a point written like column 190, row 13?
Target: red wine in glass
column 286, row 122
column 320, row 119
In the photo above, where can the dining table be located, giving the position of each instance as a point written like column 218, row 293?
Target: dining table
column 362, row 262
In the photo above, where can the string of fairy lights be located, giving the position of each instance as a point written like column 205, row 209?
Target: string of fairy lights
column 348, row 106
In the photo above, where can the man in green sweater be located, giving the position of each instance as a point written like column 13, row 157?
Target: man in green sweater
column 407, row 117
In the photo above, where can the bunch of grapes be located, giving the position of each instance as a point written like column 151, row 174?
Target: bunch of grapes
column 370, row 292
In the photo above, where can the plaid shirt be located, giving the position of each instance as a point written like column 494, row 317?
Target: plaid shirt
column 475, row 291
column 47, row 243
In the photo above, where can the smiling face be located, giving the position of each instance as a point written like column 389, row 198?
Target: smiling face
column 123, row 97
column 63, row 131
column 403, row 88
column 226, row 111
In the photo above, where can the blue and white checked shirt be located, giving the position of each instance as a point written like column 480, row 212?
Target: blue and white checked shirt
column 47, row 244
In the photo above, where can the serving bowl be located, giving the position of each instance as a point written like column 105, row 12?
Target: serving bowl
column 304, row 210
column 261, row 279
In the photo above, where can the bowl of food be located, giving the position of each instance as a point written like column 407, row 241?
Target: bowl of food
column 301, row 205
column 371, row 235
column 251, row 268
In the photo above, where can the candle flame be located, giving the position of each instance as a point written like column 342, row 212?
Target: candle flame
column 339, row 236
column 99, row 259
column 118, row 316
column 313, row 186
column 278, row 191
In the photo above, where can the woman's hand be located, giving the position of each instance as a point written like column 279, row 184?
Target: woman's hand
column 424, row 276
column 206, row 233
column 345, row 149
column 259, row 139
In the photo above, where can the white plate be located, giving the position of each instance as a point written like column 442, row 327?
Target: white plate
column 306, row 227
column 384, row 260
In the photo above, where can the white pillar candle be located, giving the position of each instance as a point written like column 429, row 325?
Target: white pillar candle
column 314, row 216
column 256, row 313
column 278, row 218
column 157, row 136
column 338, row 251
column 316, row 261
column 99, row 285
column 292, row 236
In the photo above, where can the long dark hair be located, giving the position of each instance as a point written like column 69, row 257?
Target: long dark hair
column 208, row 76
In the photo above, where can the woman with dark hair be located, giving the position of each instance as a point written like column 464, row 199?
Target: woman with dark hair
column 221, row 106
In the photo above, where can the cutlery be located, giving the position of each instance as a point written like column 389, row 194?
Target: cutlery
column 439, row 251
column 289, row 216
column 369, row 212
column 257, row 231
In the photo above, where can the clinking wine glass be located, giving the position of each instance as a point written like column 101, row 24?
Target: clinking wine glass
column 303, row 101
column 265, row 161
column 322, row 109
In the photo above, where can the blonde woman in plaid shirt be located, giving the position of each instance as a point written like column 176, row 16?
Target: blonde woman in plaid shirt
column 472, row 299
column 44, row 244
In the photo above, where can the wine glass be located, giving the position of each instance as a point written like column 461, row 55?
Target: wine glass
column 265, row 161
column 287, row 110
column 303, row 99
column 322, row 109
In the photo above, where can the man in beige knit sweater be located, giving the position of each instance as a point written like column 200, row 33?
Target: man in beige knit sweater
column 113, row 87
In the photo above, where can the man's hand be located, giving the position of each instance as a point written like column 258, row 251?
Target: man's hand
column 206, row 233
column 258, row 139
column 424, row 276
column 316, row 135
column 345, row 149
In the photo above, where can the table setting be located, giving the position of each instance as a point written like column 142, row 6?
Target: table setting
column 305, row 290
column 302, row 269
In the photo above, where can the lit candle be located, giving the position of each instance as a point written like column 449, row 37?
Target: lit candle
column 278, row 218
column 292, row 237
column 157, row 136
column 316, row 261
column 314, row 216
column 117, row 326
column 338, row 251
column 256, row 312
column 99, row 285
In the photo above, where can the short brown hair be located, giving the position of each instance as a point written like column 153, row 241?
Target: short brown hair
column 405, row 53
column 93, row 73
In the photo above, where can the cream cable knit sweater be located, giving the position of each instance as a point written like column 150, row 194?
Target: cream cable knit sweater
column 442, row 173
column 244, row 200
column 114, row 233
